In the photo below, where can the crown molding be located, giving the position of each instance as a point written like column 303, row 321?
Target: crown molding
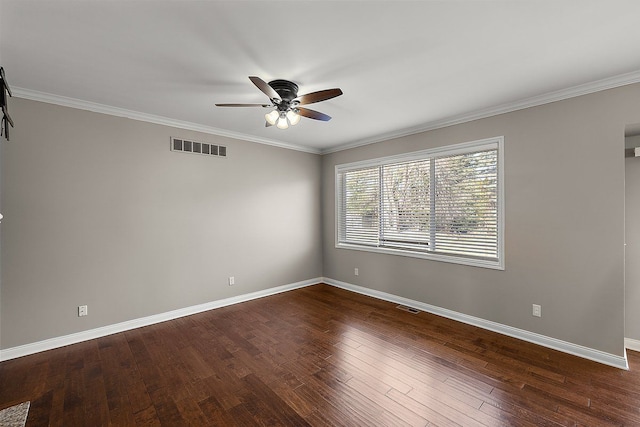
column 559, row 95
column 150, row 118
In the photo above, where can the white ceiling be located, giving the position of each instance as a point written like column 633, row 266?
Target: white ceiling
column 403, row 66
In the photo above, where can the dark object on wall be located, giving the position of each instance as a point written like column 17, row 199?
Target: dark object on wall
column 6, row 118
column 632, row 152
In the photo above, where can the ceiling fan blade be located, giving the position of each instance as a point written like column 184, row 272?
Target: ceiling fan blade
column 321, row 95
column 312, row 114
column 243, row 105
column 264, row 87
column 267, row 124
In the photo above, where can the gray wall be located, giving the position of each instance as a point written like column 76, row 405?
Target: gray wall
column 99, row 211
column 564, row 182
column 632, row 236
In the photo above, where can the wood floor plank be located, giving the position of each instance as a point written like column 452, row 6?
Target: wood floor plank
column 303, row 407
column 405, row 374
column 40, row 409
column 191, row 412
column 588, row 419
column 412, row 365
column 435, row 412
column 285, row 414
column 516, row 400
column 404, row 412
column 146, row 417
column 368, row 374
column 348, row 401
column 443, row 403
column 515, row 416
column 318, row 356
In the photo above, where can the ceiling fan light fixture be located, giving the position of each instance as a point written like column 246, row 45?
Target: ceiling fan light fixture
column 272, row 117
column 293, row 117
column 283, row 95
column 282, row 122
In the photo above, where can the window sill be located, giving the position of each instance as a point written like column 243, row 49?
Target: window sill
column 491, row 264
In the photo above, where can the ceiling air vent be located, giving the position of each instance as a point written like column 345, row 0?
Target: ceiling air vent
column 196, row 147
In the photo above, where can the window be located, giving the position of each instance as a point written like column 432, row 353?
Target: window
column 443, row 204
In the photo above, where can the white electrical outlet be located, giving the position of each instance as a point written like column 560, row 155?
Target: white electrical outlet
column 232, row 280
column 537, row 310
column 356, row 272
column 83, row 310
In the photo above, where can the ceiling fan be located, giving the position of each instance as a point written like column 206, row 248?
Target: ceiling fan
column 284, row 98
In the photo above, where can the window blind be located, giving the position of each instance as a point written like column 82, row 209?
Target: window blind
column 361, row 207
column 406, row 204
column 466, row 204
column 444, row 204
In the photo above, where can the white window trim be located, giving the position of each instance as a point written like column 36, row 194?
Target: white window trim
column 489, row 143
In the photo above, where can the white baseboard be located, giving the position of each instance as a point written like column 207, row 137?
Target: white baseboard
column 36, row 347
column 556, row 344
column 566, row 347
column 632, row 344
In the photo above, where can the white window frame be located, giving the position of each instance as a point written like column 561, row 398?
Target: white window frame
column 467, row 147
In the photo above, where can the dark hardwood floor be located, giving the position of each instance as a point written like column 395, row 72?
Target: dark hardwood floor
column 317, row 356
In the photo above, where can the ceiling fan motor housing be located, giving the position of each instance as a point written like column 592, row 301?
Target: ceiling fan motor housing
column 287, row 90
